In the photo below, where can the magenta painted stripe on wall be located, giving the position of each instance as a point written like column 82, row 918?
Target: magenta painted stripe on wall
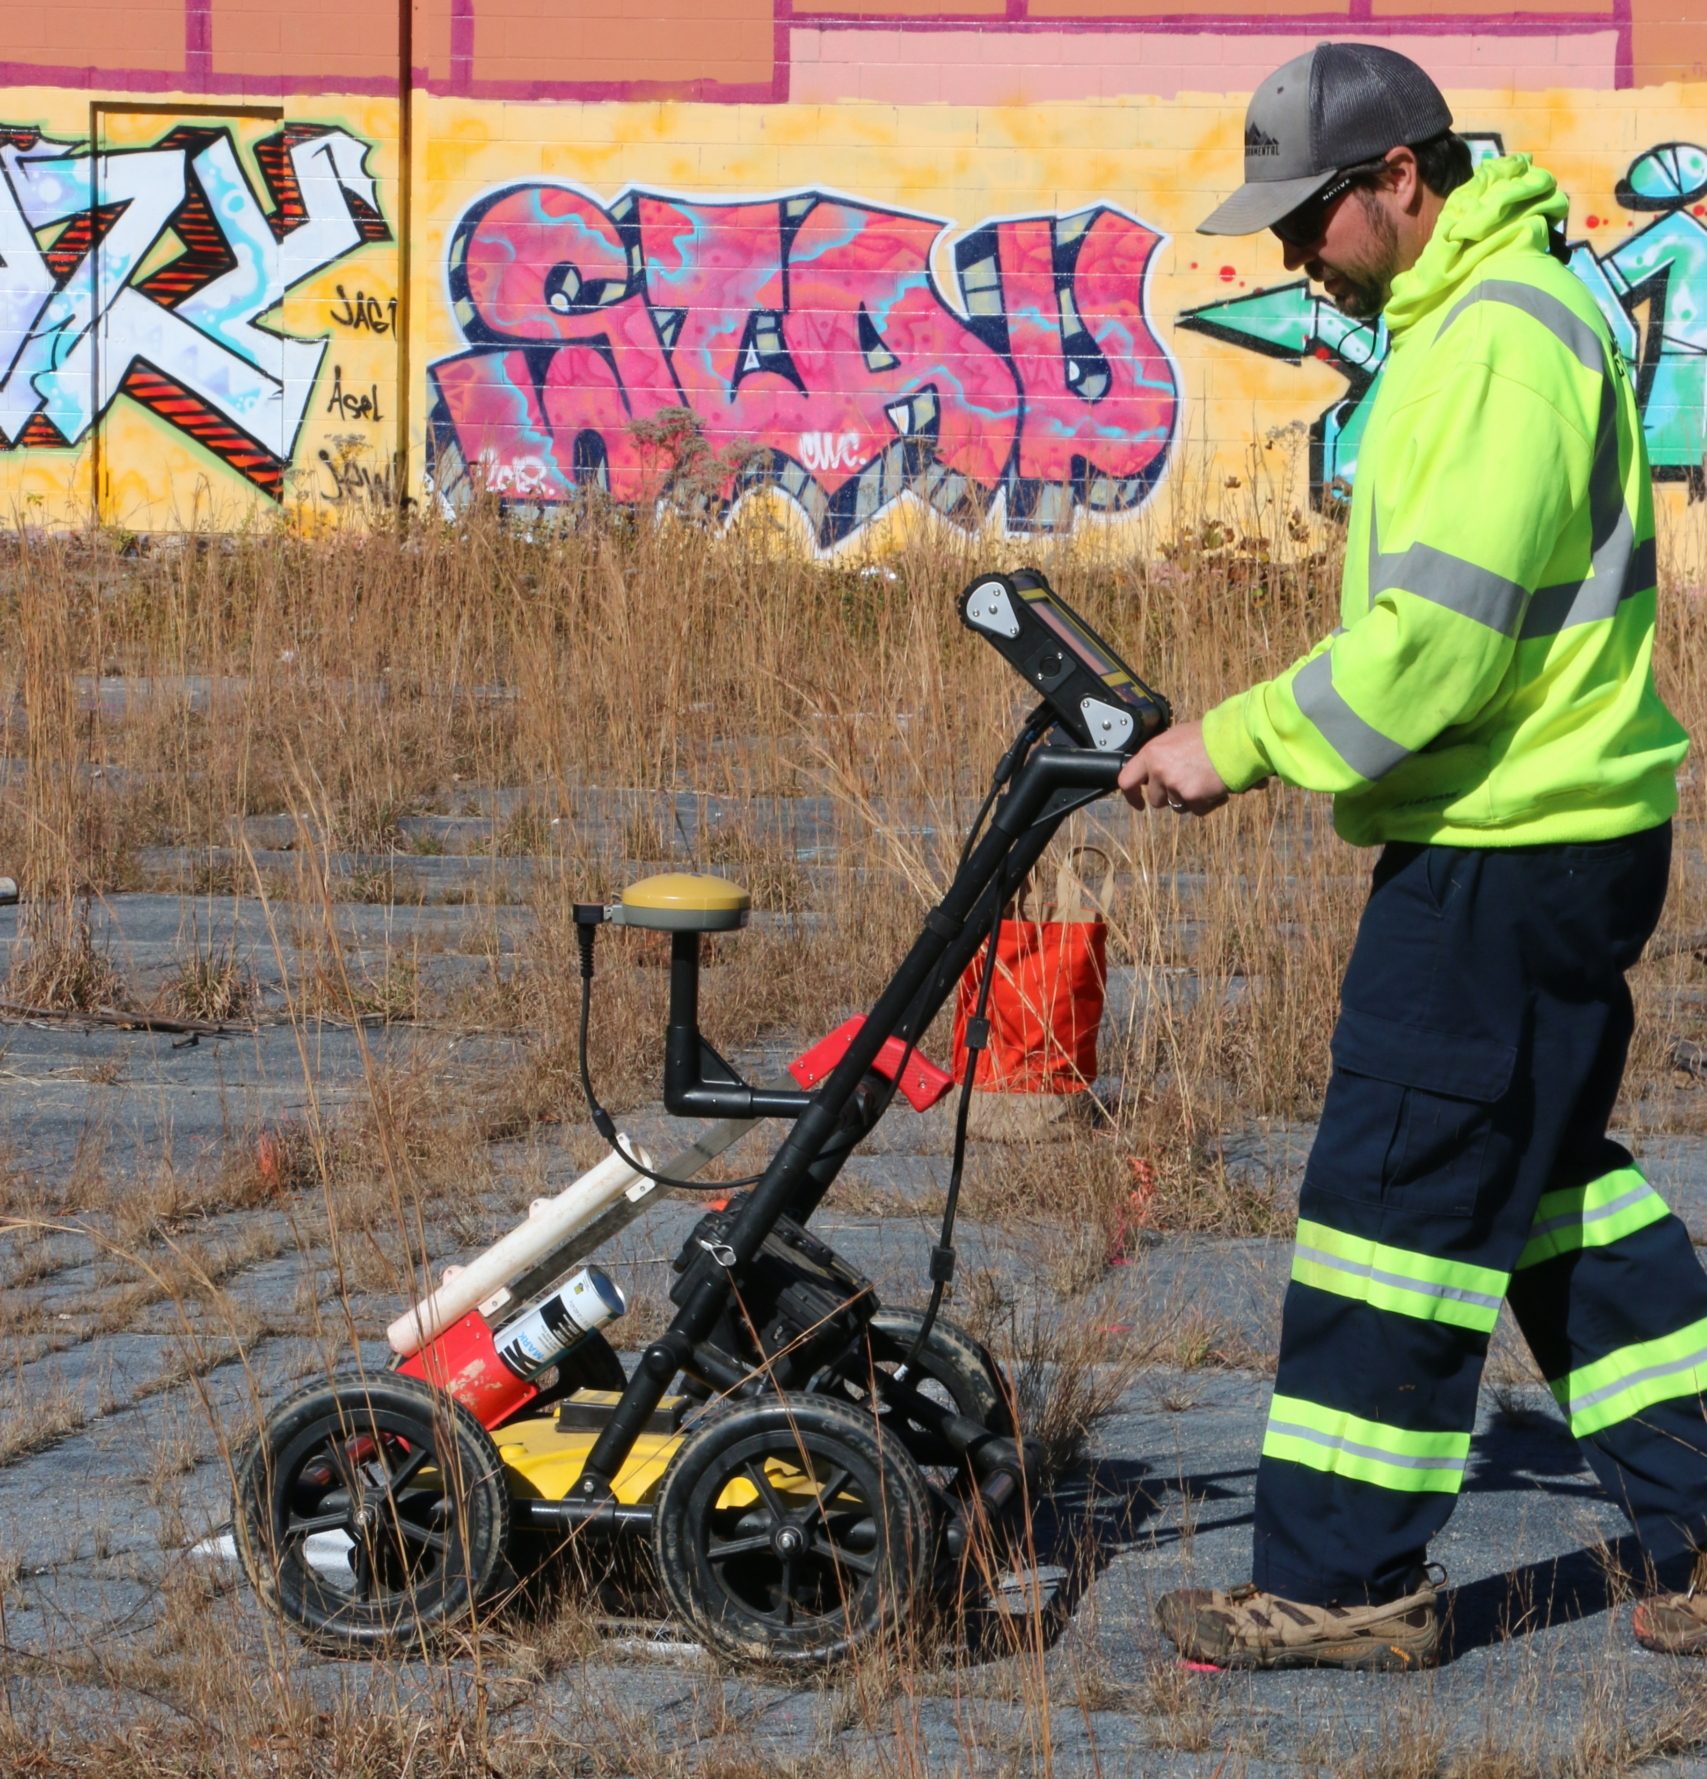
column 234, row 86
column 688, row 92
column 198, row 42
column 461, row 45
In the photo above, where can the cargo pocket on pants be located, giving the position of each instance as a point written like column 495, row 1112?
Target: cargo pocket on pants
column 1411, row 1115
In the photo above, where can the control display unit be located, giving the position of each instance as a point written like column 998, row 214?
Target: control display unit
column 1097, row 698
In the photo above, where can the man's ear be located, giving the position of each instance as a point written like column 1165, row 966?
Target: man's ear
column 1404, row 178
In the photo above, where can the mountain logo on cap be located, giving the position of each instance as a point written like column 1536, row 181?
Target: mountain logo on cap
column 1259, row 142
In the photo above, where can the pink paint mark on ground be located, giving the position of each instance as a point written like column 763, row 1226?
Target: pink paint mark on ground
column 1199, row 1667
column 1039, row 61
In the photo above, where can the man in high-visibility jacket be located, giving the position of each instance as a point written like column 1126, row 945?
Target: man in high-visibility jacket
column 1486, row 713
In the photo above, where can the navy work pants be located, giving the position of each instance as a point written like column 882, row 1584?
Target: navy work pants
column 1463, row 1161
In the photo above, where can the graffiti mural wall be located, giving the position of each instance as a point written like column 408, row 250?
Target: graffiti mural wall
column 809, row 342
column 164, row 348
column 866, row 267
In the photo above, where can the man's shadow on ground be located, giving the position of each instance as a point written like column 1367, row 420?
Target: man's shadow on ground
column 1087, row 1519
column 1522, row 1451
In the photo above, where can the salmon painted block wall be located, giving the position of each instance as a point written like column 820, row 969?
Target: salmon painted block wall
column 869, row 264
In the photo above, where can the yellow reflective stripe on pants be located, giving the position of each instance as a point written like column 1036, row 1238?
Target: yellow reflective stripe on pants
column 1309, row 1433
column 1399, row 1279
column 1591, row 1216
column 1634, row 1378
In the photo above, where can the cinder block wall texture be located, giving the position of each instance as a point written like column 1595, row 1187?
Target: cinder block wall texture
column 877, row 264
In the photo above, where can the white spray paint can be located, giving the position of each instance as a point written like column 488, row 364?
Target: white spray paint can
column 546, row 1330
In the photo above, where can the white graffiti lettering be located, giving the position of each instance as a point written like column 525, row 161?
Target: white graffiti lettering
column 830, row 451
column 521, row 476
column 110, row 309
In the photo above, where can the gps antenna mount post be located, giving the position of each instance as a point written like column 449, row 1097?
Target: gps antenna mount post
column 698, row 1083
column 1051, row 782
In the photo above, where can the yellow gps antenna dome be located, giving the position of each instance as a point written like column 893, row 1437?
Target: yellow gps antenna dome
column 684, row 902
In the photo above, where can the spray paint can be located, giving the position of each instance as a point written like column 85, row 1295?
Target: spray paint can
column 546, row 1330
column 496, row 1376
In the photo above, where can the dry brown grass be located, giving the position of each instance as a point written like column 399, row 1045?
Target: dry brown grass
column 59, row 967
column 1113, row 1185
column 353, row 681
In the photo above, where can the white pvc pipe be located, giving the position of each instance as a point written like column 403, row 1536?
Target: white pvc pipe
column 550, row 1223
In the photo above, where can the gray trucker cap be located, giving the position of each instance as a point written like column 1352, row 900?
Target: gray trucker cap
column 1341, row 104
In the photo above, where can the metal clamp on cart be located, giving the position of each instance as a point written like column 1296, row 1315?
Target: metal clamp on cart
column 798, row 1453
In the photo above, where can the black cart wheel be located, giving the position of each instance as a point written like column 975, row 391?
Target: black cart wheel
column 953, row 1369
column 371, row 1510
column 791, row 1531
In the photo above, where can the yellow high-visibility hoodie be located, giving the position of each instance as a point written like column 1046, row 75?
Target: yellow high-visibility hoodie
column 1491, row 683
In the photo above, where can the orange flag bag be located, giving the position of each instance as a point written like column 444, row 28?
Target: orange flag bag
column 1051, row 981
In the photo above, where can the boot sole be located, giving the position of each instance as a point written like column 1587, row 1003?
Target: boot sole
column 1657, row 1643
column 1361, row 1657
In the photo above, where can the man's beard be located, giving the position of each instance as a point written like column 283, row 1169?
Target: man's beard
column 1367, row 289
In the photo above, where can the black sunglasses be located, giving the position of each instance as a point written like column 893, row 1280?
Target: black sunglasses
column 1303, row 227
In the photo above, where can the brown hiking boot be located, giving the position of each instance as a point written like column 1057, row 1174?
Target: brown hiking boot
column 1675, row 1624
column 1246, row 1628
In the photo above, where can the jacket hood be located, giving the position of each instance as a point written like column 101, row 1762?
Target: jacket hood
column 1508, row 203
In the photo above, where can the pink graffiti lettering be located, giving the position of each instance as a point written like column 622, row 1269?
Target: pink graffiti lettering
column 533, row 261
column 807, row 343
column 1100, row 394
column 858, row 344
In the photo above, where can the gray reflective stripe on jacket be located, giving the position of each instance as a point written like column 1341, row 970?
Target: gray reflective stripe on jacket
column 1619, row 568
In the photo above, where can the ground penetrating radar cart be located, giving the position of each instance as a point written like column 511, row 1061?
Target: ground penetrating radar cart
column 798, row 1454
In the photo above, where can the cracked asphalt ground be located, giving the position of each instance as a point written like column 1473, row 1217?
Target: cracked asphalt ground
column 167, row 1271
